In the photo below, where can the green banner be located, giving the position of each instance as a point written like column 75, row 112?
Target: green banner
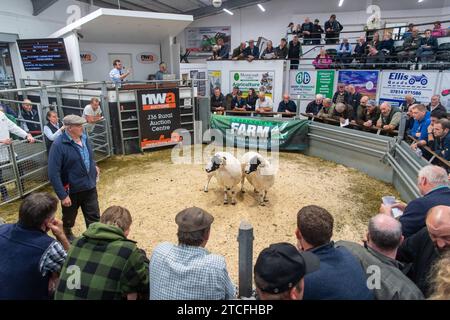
column 325, row 81
column 253, row 132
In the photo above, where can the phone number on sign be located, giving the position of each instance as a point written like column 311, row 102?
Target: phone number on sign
column 413, row 92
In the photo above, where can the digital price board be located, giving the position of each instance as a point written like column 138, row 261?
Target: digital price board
column 43, row 54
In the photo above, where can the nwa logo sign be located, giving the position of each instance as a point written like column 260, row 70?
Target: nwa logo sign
column 87, row 57
column 147, row 57
column 154, row 101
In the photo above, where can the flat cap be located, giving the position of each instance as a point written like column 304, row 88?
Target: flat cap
column 73, row 119
column 193, row 219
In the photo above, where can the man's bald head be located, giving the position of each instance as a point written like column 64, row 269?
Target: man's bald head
column 438, row 225
column 385, row 232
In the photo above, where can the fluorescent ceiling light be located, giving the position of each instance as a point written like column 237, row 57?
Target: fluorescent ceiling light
column 228, row 11
column 420, row 1
column 341, row 2
column 261, row 7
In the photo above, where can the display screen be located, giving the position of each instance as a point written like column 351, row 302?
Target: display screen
column 43, row 54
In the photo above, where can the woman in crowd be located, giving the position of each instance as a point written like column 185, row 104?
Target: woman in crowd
column 269, row 51
column 251, row 99
column 323, row 60
column 441, row 279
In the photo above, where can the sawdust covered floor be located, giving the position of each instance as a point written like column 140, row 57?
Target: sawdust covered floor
column 154, row 190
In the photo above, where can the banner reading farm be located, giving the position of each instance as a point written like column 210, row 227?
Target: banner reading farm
column 258, row 80
column 307, row 84
column 159, row 117
column 364, row 81
column 265, row 134
column 396, row 84
column 444, row 91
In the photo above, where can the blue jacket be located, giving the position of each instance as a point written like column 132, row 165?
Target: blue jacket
column 422, row 127
column 413, row 218
column 21, row 250
column 66, row 170
column 290, row 106
column 340, row 277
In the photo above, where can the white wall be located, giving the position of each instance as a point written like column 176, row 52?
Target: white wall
column 250, row 22
column 99, row 70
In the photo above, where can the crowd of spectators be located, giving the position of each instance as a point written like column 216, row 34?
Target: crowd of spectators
column 375, row 49
column 104, row 263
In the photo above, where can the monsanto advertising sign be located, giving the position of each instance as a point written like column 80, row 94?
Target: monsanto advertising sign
column 159, row 117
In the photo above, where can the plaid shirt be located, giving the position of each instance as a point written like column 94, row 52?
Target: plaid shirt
column 53, row 259
column 180, row 272
column 110, row 266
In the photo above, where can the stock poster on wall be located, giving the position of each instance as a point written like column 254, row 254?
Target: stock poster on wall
column 306, row 84
column 258, row 80
column 444, row 90
column 364, row 81
column 203, row 39
column 396, row 84
column 159, row 117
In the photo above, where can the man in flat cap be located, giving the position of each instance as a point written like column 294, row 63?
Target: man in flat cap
column 187, row 271
column 279, row 272
column 72, row 171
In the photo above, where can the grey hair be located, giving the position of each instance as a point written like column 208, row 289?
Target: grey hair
column 385, row 232
column 319, row 96
column 434, row 175
column 340, row 107
column 327, row 101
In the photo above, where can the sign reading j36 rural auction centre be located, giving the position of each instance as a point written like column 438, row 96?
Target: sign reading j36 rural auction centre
column 159, row 117
column 307, row 84
column 396, row 84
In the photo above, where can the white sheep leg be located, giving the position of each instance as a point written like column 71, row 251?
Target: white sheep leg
column 208, row 179
column 242, row 183
column 225, row 196
column 261, row 198
column 233, row 197
column 265, row 196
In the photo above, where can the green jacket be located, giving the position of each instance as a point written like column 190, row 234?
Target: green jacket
column 103, row 265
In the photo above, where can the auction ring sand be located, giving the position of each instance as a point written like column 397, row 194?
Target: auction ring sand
column 155, row 190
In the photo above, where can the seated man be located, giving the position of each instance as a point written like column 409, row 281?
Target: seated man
column 354, row 98
column 223, row 50
column 425, row 247
column 409, row 101
column 31, row 117
column 30, row 260
column 263, row 104
column 252, row 51
column 360, row 49
column 410, row 46
column 281, row 52
column 342, row 112
column 325, row 112
column 159, row 75
column 432, row 183
column 384, row 236
column 369, row 115
column 435, row 105
column 111, row 267
column 420, row 126
column 439, row 139
column 239, row 104
column 269, row 51
column 341, row 95
column 344, row 51
column 239, row 52
column 340, row 276
column 280, row 270
column 389, row 118
column 428, row 47
column 287, row 105
column 187, row 271
column 374, row 58
column 314, row 106
column 92, row 113
column 230, row 99
column 217, row 101
column 387, row 44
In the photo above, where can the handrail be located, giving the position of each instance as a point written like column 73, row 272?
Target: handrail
column 433, row 153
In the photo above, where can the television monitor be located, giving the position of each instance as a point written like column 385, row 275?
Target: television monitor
column 43, row 54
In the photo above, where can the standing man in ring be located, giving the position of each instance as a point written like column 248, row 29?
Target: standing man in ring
column 73, row 174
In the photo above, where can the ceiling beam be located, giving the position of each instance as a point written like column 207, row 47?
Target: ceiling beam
column 157, row 2
column 230, row 4
column 41, row 5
